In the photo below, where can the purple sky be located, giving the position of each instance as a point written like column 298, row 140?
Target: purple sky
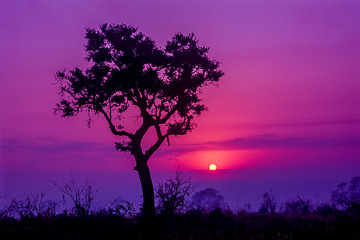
column 286, row 111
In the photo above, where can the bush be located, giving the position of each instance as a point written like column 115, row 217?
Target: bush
column 31, row 205
column 171, row 196
column 120, row 208
column 82, row 196
column 347, row 198
column 268, row 203
column 298, row 206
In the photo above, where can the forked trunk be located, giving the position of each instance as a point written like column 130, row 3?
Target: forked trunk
column 147, row 188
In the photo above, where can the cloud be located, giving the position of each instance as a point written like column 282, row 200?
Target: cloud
column 44, row 154
column 292, row 124
column 50, row 145
column 272, row 141
column 44, row 149
column 266, row 141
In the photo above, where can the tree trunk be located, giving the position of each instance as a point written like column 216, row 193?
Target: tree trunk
column 147, row 187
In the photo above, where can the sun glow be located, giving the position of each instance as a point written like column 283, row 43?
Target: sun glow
column 212, row 167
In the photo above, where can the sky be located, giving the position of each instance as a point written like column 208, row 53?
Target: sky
column 284, row 117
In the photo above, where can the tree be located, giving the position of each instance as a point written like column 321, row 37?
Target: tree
column 128, row 71
column 208, row 200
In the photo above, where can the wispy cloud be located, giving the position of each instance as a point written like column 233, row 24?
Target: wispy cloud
column 50, row 145
column 266, row 141
column 291, row 124
column 44, row 154
column 58, row 153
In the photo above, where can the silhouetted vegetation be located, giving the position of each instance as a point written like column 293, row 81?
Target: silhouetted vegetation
column 348, row 198
column 129, row 73
column 191, row 225
column 207, row 200
column 268, row 203
column 81, row 196
column 299, row 206
column 34, row 217
column 171, row 196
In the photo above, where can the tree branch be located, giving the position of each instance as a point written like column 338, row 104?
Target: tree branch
column 168, row 115
column 112, row 127
column 160, row 140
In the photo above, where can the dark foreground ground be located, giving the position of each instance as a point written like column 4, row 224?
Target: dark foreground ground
column 214, row 225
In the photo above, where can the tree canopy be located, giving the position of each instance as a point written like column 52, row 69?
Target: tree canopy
column 127, row 68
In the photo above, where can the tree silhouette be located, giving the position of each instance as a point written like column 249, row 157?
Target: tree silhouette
column 126, row 71
column 208, row 199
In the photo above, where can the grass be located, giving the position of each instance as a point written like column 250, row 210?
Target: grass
column 191, row 225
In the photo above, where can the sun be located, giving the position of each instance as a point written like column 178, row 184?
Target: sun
column 212, row 167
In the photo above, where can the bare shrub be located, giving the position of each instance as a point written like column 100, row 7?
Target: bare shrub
column 268, row 203
column 31, row 205
column 171, row 196
column 82, row 196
